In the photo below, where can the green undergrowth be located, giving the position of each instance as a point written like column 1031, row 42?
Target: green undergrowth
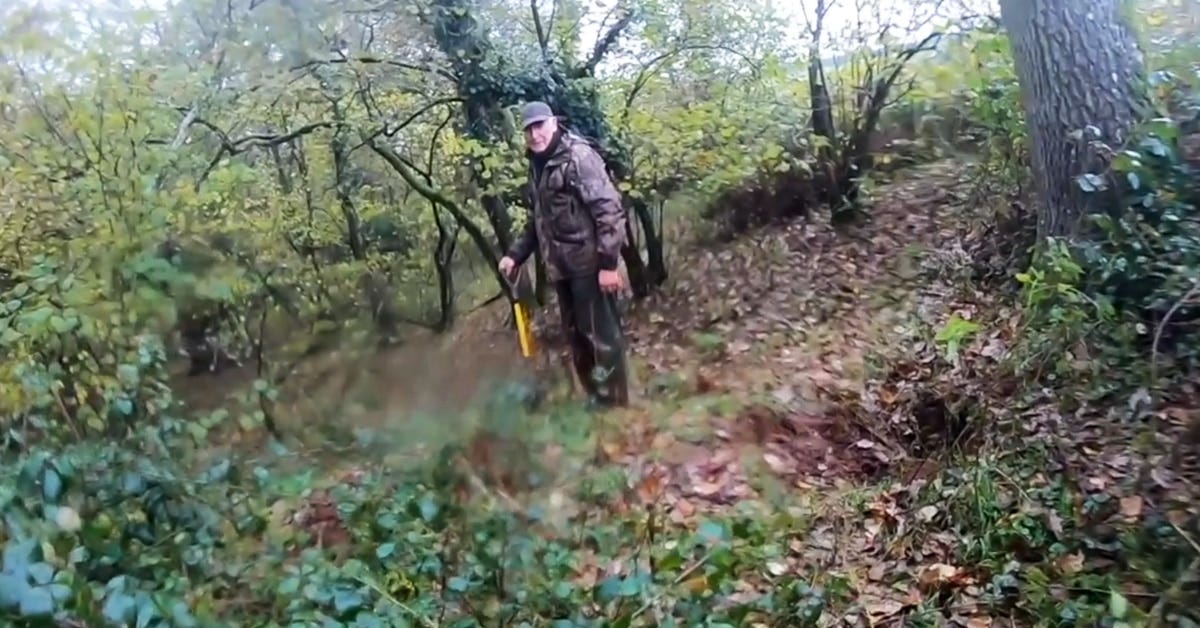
column 482, row 529
column 127, row 533
column 1032, row 544
column 1075, row 504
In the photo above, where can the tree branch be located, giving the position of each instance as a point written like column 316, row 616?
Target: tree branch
column 603, row 45
column 259, row 140
column 542, row 38
column 371, row 59
column 231, row 147
column 650, row 67
column 400, row 165
column 390, row 131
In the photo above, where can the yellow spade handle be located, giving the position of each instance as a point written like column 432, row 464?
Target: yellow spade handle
column 524, row 333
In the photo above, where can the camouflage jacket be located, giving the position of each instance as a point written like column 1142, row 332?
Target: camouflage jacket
column 578, row 221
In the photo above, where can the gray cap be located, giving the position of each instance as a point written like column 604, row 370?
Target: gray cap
column 534, row 112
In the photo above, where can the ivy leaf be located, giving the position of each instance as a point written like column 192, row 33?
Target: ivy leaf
column 41, row 573
column 368, row 620
column 289, row 586
column 610, row 589
column 1118, row 606
column 119, row 608
column 429, row 508
column 19, row 554
column 385, row 550
column 12, row 589
column 61, row 325
column 346, row 600
column 181, row 615
column 52, row 485
column 60, row 592
column 713, row 532
column 37, row 602
column 1091, row 182
column 147, row 611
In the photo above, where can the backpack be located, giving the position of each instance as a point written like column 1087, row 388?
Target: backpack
column 573, row 175
column 605, row 155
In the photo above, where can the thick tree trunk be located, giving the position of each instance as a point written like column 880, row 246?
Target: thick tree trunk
column 1080, row 68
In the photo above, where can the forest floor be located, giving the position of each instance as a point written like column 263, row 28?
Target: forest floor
column 832, row 375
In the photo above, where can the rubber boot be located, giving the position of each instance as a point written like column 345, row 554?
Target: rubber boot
column 585, row 366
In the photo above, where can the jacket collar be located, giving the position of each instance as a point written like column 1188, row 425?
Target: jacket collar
column 559, row 150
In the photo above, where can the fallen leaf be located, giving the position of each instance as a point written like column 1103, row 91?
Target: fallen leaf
column 697, row 584
column 587, row 576
column 1055, row 523
column 650, row 488
column 876, row 572
column 1070, row 563
column 927, row 513
column 1131, row 507
column 611, row 449
column 1178, row 416
column 784, row 394
column 662, row 441
column 776, row 463
column 938, row 575
column 879, row 609
column 68, row 519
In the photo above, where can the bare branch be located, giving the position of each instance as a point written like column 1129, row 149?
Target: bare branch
column 650, row 67
column 184, row 125
column 389, row 131
column 260, row 140
column 370, row 59
column 542, row 37
column 605, row 43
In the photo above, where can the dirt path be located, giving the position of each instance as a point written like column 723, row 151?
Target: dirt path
column 779, row 374
column 745, row 354
column 779, row 324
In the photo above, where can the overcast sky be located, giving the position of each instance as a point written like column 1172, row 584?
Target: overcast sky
column 843, row 17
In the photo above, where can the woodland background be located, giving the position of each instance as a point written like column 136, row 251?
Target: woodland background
column 914, row 319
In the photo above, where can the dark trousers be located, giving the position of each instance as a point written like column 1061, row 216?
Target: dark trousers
column 592, row 326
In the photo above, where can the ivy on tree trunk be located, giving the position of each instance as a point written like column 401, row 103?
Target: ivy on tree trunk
column 1080, row 70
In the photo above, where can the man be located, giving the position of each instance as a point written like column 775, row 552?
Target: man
column 578, row 225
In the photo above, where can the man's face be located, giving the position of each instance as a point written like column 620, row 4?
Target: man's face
column 539, row 134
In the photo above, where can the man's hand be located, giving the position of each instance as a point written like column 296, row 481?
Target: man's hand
column 610, row 281
column 507, row 264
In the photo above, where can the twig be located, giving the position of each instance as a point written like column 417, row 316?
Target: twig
column 1158, row 611
column 683, row 575
column 1158, row 331
column 1187, row 537
column 477, row 482
column 374, row 586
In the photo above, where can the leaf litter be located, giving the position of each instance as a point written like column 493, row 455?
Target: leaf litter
column 795, row 312
column 790, row 319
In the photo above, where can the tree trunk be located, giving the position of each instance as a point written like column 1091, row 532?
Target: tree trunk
column 822, row 107
column 443, row 261
column 656, row 261
column 1079, row 67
